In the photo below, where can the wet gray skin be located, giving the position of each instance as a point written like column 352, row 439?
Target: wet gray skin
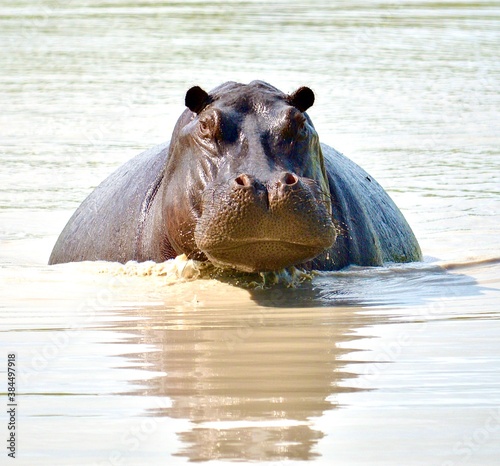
column 246, row 184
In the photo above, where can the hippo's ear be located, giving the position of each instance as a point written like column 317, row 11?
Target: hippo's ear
column 196, row 99
column 302, row 98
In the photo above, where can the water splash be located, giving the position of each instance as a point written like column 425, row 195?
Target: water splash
column 182, row 269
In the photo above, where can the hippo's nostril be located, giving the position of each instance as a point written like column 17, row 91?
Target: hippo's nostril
column 243, row 180
column 289, row 179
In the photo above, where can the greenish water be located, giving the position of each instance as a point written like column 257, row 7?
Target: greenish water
column 393, row 365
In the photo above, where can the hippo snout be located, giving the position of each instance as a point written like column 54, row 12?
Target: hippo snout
column 267, row 193
column 252, row 224
column 248, row 181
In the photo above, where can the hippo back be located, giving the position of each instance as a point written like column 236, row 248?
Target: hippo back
column 108, row 223
column 372, row 228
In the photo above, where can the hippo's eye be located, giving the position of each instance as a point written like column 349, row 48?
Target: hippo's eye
column 205, row 128
column 209, row 126
column 296, row 127
column 302, row 132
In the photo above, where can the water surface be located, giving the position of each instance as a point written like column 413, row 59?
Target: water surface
column 138, row 365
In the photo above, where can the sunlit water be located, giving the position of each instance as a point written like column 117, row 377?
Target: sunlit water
column 150, row 364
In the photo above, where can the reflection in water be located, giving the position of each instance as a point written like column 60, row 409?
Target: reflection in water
column 251, row 443
column 249, row 378
column 251, row 374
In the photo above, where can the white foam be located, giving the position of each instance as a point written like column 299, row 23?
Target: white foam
column 183, row 269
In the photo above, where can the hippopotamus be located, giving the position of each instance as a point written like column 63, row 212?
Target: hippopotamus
column 245, row 184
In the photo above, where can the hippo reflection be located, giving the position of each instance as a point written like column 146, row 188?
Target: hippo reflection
column 249, row 378
column 246, row 184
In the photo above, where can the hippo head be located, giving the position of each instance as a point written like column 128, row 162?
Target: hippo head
column 245, row 184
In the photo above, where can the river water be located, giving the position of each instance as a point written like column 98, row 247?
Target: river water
column 159, row 365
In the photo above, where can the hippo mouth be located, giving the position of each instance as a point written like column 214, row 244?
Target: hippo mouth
column 261, row 226
column 262, row 254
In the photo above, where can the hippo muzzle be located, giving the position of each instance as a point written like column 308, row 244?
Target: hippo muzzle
column 253, row 226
